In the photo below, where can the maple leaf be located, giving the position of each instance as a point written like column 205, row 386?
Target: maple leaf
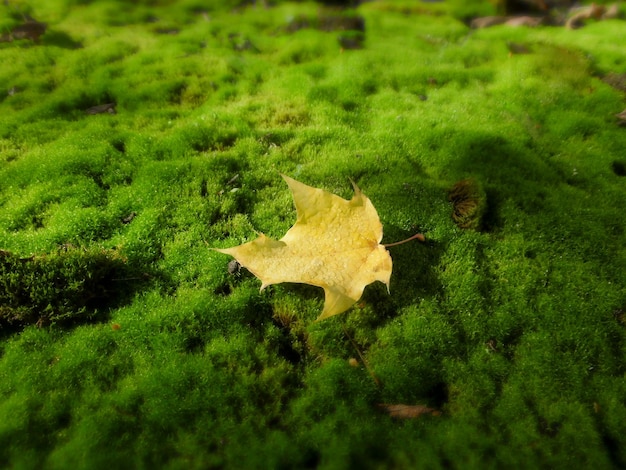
column 334, row 244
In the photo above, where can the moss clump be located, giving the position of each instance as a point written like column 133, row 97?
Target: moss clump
column 69, row 285
column 469, row 202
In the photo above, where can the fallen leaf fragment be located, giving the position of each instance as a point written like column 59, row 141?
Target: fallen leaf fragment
column 408, row 411
column 544, row 14
column 30, row 29
column 530, row 21
column 612, row 12
column 616, row 80
column 334, row 244
column 101, row 109
column 580, row 15
column 522, row 20
column 487, row 21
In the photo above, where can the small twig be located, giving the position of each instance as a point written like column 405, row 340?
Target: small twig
column 417, row 236
column 358, row 351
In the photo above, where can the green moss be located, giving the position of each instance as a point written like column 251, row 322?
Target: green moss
column 65, row 286
column 143, row 347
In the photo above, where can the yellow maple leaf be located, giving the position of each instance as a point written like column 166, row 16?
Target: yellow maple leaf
column 334, row 244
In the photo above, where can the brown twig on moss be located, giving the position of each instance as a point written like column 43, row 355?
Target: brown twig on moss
column 363, row 360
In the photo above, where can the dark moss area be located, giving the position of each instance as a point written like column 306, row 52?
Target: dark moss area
column 70, row 285
column 136, row 136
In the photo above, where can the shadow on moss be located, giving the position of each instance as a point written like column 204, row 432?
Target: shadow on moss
column 505, row 171
column 414, row 266
column 62, row 40
column 71, row 285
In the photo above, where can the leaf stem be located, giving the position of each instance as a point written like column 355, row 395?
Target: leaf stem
column 417, row 236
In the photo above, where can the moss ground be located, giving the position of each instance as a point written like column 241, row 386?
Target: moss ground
column 125, row 341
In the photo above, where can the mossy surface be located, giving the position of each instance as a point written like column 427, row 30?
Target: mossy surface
column 135, row 136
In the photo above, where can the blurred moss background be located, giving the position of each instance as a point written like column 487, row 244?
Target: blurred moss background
column 135, row 136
